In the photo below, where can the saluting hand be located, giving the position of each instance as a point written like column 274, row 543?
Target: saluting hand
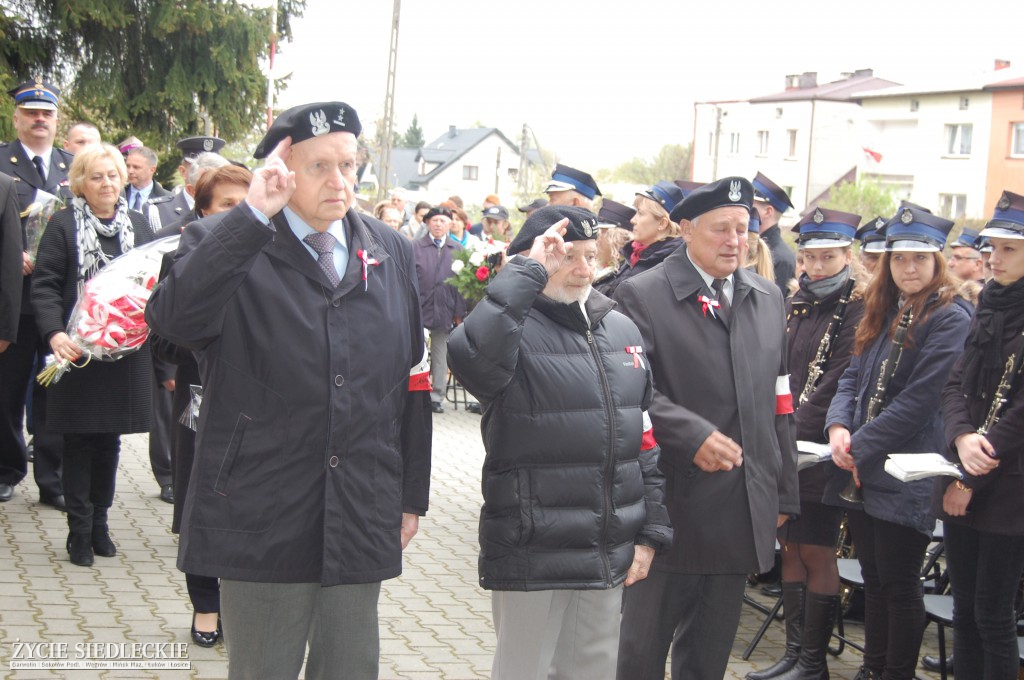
column 718, row 452
column 549, row 248
column 273, row 185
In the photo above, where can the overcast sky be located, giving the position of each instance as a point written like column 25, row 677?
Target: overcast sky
column 601, row 82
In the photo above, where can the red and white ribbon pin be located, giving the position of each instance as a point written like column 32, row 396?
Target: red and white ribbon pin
column 706, row 304
column 367, row 260
column 636, row 351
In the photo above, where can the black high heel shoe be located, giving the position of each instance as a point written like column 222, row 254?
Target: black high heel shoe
column 206, row 638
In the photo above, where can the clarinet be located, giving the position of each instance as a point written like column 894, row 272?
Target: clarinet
column 1001, row 395
column 852, row 493
column 816, row 368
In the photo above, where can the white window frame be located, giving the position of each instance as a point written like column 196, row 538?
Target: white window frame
column 1017, row 140
column 954, row 139
column 762, row 142
column 952, row 206
column 791, row 138
column 734, row 142
column 470, row 173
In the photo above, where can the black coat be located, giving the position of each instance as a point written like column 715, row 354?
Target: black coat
column 11, row 248
column 568, row 488
column 997, row 504
column 807, row 320
column 783, row 257
column 310, row 443
column 650, row 257
column 711, row 377
column 15, row 163
column 103, row 396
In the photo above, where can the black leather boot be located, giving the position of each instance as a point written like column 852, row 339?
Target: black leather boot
column 101, row 543
column 819, row 614
column 934, row 664
column 793, row 606
column 866, row 673
column 80, row 548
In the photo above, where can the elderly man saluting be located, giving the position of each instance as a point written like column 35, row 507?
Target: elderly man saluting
column 313, row 452
column 716, row 337
column 572, row 492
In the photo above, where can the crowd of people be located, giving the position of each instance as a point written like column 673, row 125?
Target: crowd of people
column 644, row 374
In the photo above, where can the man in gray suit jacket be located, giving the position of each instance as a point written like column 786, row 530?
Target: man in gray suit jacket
column 715, row 334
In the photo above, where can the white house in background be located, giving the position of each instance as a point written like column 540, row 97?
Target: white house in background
column 933, row 140
column 806, row 138
column 471, row 163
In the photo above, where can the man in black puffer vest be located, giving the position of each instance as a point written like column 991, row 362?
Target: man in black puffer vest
column 572, row 492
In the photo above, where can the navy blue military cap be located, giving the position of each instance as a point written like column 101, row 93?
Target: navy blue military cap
column 770, row 192
column 687, row 186
column 915, row 230
column 915, row 206
column 968, row 239
column 870, row 236
column 613, row 214
column 725, row 192
column 582, row 226
column 754, row 225
column 824, row 228
column 665, row 194
column 1008, row 220
column 309, row 121
column 191, row 147
column 496, row 212
column 565, row 178
column 36, row 94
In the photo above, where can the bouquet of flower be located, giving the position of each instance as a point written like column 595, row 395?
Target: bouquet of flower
column 474, row 266
column 37, row 216
column 108, row 321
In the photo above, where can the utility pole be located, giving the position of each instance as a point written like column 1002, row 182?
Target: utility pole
column 384, row 169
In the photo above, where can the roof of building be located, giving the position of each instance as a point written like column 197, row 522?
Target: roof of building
column 948, row 83
column 843, row 89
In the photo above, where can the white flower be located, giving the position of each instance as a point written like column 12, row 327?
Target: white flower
column 477, row 258
column 457, row 266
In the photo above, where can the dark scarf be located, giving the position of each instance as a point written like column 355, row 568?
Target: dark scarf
column 998, row 321
column 819, row 290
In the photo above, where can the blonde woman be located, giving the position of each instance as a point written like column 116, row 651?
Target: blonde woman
column 759, row 257
column 655, row 235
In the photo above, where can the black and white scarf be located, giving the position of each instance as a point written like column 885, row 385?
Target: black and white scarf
column 88, row 228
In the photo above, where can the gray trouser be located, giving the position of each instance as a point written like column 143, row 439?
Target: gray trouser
column 438, row 363
column 266, row 626
column 697, row 615
column 556, row 634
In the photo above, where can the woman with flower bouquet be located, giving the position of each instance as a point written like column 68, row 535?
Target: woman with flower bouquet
column 93, row 405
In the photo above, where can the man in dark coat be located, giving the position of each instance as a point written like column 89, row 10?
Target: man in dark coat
column 772, row 202
column 36, row 166
column 13, row 466
column 441, row 303
column 572, row 493
column 312, row 460
column 715, row 334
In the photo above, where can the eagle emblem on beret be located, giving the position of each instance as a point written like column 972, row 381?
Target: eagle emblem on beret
column 588, row 227
column 818, row 216
column 907, row 217
column 318, row 120
column 1004, row 202
column 734, row 191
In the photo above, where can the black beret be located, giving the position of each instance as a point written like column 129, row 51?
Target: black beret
column 435, row 211
column 725, row 192
column 616, row 214
column 308, row 121
column 582, row 226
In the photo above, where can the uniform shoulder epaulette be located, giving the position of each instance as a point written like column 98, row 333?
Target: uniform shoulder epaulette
column 67, row 154
column 161, row 199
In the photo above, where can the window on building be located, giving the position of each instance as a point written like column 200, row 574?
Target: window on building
column 734, row 142
column 964, row 103
column 792, row 143
column 513, row 173
column 470, row 172
column 1017, row 140
column 952, row 206
column 762, row 142
column 914, row 105
column 778, row 112
column 958, row 139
